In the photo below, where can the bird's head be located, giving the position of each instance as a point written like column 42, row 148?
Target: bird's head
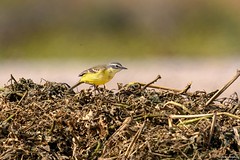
column 115, row 67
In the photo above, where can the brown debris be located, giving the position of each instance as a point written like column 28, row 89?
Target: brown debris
column 137, row 121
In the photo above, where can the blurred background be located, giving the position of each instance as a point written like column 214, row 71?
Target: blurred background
column 183, row 41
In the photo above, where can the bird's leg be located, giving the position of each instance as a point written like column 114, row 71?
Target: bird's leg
column 104, row 88
column 96, row 88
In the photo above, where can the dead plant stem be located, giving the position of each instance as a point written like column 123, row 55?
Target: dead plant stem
column 219, row 92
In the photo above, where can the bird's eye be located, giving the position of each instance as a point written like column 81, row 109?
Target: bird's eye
column 118, row 66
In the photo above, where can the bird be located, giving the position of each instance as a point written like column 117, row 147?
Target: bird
column 99, row 75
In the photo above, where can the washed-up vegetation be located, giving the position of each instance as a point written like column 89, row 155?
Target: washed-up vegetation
column 135, row 121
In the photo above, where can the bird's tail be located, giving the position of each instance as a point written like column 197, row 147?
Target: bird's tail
column 74, row 86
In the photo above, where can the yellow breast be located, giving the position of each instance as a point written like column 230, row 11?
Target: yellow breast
column 99, row 78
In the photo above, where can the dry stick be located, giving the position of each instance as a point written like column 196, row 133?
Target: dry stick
column 212, row 127
column 219, row 92
column 155, row 80
column 185, row 122
column 75, row 138
column 171, row 117
column 236, row 136
column 186, row 88
column 167, row 88
column 55, row 156
column 190, row 116
column 204, row 115
column 229, row 114
column 170, row 122
column 12, row 78
column 125, row 123
column 96, row 149
column 10, row 117
column 183, row 153
column 133, row 142
column 24, row 95
column 53, row 124
column 74, row 150
column 234, row 108
column 179, row 105
column 161, row 87
column 52, row 127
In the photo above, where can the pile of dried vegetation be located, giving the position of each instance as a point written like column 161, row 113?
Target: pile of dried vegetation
column 136, row 121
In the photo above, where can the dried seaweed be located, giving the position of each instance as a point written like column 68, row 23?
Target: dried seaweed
column 136, row 121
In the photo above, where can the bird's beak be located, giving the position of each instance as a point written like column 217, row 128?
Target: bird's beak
column 123, row 67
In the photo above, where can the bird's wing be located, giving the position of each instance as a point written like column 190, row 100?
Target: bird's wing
column 93, row 70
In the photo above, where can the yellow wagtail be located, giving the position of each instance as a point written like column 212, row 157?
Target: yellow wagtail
column 99, row 75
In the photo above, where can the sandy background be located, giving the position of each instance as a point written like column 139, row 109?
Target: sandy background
column 205, row 74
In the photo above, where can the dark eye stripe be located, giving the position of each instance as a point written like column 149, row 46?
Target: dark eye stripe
column 115, row 65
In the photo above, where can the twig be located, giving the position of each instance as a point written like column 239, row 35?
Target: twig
column 212, row 127
column 179, row 105
column 190, row 116
column 166, row 88
column 183, row 154
column 125, row 123
column 155, row 80
column 161, row 87
column 76, row 138
column 234, row 108
column 200, row 116
column 96, row 149
column 140, row 117
column 49, row 152
column 171, row 117
column 12, row 78
column 10, row 117
column 236, row 136
column 219, row 92
column 190, row 121
column 160, row 155
column 133, row 142
column 52, row 127
column 24, row 95
column 74, row 152
column 186, row 88
column 170, row 122
column 228, row 114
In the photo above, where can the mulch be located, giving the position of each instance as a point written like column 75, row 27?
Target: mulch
column 135, row 121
